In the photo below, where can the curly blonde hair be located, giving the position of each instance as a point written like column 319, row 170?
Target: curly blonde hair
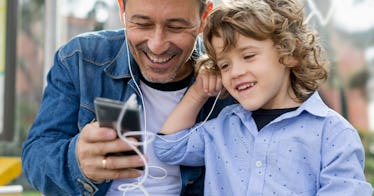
column 282, row 21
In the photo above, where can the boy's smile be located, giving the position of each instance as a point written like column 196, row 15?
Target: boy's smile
column 252, row 73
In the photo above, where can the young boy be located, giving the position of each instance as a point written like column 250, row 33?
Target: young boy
column 282, row 139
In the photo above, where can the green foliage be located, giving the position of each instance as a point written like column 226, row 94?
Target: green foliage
column 367, row 138
column 369, row 169
column 31, row 194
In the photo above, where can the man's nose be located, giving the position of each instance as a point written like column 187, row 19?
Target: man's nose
column 158, row 42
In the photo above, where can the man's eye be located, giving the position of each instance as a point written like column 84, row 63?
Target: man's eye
column 143, row 25
column 176, row 28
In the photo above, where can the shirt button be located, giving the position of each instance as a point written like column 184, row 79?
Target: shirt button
column 258, row 164
column 88, row 187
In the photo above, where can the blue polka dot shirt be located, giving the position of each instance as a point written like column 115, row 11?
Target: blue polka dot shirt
column 308, row 151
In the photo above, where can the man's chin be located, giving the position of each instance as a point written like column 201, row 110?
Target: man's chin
column 159, row 78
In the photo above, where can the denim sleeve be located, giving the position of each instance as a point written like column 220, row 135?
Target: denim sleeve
column 181, row 148
column 48, row 155
column 342, row 171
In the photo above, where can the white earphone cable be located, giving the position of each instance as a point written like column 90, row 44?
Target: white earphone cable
column 148, row 137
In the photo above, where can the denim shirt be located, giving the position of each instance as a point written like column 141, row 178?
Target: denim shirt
column 90, row 65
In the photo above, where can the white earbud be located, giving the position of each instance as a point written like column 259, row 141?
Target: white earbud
column 124, row 18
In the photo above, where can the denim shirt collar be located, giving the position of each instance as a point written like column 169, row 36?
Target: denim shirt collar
column 117, row 69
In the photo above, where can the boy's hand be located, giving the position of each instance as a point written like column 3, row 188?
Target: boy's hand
column 208, row 81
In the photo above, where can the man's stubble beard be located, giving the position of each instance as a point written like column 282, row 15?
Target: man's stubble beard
column 166, row 80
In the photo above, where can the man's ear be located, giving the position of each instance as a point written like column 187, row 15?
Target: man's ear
column 121, row 6
column 204, row 15
column 122, row 11
column 208, row 8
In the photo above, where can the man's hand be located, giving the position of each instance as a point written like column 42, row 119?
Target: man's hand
column 94, row 144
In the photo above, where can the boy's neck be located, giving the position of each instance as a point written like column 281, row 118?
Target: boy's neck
column 262, row 117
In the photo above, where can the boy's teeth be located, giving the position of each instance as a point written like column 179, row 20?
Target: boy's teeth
column 242, row 87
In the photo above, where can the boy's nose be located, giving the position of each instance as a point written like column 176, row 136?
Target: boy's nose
column 236, row 70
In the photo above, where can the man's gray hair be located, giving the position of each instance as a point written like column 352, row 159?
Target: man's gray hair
column 203, row 5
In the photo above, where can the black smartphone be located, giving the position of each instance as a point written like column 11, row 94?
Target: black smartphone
column 107, row 112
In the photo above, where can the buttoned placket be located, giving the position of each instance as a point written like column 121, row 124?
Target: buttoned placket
column 258, row 165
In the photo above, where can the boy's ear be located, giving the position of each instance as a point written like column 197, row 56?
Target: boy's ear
column 291, row 60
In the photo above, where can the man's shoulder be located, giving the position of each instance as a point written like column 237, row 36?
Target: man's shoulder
column 98, row 46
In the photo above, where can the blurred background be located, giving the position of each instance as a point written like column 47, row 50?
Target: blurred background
column 32, row 30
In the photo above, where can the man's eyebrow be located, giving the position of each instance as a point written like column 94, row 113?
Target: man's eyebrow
column 179, row 20
column 138, row 16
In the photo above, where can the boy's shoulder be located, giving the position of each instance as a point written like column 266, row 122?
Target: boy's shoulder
column 316, row 106
column 231, row 109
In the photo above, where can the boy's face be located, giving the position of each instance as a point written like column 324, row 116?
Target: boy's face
column 252, row 74
column 162, row 35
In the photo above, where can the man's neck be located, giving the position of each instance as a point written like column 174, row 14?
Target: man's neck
column 170, row 86
column 186, row 71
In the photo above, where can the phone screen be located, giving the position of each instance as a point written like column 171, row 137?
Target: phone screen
column 107, row 112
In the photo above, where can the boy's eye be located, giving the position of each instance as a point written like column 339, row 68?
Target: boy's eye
column 248, row 56
column 222, row 66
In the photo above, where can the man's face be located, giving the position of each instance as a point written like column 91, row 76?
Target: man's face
column 162, row 36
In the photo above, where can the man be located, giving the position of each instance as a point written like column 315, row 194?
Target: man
column 66, row 153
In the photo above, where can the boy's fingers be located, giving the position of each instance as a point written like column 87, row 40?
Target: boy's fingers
column 219, row 84
column 212, row 84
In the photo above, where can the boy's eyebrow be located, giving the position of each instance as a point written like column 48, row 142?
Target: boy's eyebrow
column 220, row 56
column 247, row 47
